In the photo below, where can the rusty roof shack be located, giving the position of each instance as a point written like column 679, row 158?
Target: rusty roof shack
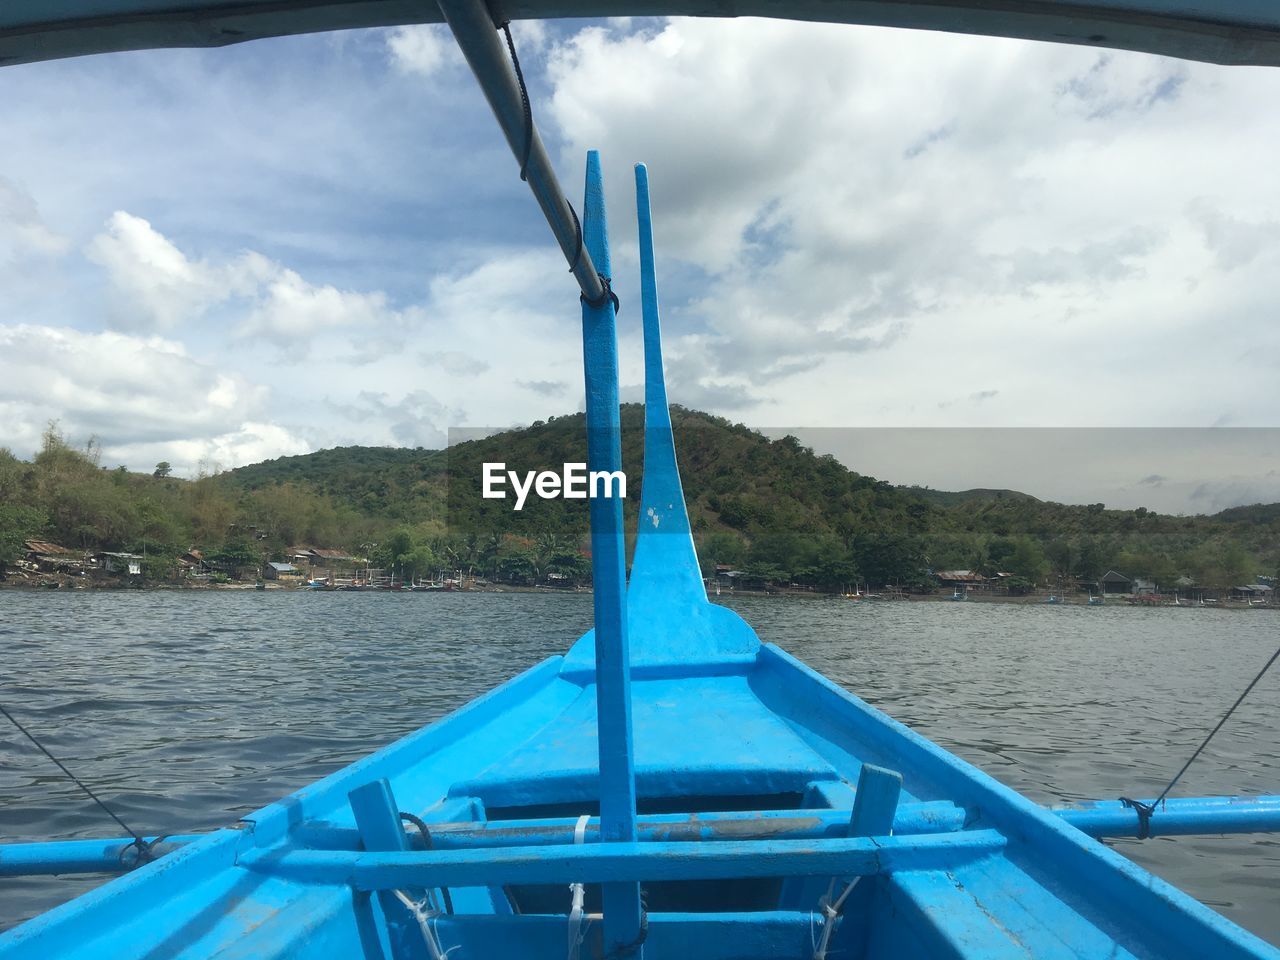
column 53, row 557
column 969, row 579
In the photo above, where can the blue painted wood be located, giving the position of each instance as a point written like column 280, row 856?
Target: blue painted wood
column 81, row 856
column 377, row 816
column 1081, row 899
column 1178, row 816
column 721, row 936
column 670, row 622
column 629, row 862
column 933, row 817
column 1116, row 891
column 665, row 570
column 378, row 822
column 622, row 911
column 875, row 802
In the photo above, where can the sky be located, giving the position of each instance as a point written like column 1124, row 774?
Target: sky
column 867, row 237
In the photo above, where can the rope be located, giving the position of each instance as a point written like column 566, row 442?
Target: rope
column 424, row 913
column 1145, row 810
column 577, row 933
column 830, row 914
column 425, row 831
column 145, row 852
column 524, row 100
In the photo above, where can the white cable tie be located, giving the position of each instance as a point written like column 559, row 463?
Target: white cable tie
column 576, row 932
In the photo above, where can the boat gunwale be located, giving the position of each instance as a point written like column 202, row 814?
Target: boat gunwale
column 273, row 823
column 1116, row 885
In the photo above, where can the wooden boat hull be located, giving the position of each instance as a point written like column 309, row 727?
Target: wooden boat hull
column 977, row 870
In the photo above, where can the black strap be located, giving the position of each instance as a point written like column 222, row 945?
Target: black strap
column 524, row 100
column 627, row 949
column 145, row 848
column 577, row 229
column 1144, row 812
column 606, row 296
column 425, row 832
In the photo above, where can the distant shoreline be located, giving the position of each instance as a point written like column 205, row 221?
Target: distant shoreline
column 71, row 585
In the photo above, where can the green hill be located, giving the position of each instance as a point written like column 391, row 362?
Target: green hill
column 949, row 498
column 769, row 507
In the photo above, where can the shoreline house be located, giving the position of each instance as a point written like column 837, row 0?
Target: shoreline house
column 1253, row 592
column 193, row 564
column 126, row 563
column 302, row 556
column 51, row 557
column 275, row 571
column 965, row 580
column 326, row 555
column 1113, row 584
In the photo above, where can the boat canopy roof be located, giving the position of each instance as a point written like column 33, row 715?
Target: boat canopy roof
column 1216, row 31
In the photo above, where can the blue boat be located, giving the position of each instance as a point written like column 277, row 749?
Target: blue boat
column 670, row 787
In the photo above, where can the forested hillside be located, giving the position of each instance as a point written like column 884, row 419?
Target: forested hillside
column 770, row 508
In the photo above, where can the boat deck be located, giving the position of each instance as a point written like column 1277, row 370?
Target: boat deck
column 747, row 781
column 695, row 736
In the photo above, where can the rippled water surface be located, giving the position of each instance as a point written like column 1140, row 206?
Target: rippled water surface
column 186, row 710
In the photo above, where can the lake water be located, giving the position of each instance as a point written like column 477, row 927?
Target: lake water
column 186, row 710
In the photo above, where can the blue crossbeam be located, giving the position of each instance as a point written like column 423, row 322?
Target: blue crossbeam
column 915, row 818
column 629, row 862
column 1182, row 816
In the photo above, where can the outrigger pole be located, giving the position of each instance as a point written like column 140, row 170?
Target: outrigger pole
column 477, row 35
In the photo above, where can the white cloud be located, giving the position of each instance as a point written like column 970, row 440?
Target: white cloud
column 251, row 442
column 139, row 396
column 854, row 226
column 850, row 225
column 23, row 232
column 416, row 419
column 454, row 361
column 289, row 306
column 422, row 49
column 158, row 287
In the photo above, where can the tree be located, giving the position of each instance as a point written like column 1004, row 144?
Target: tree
column 1062, row 557
column 17, row 523
column 1091, row 562
column 1234, row 563
column 235, row 556
column 571, row 564
column 163, row 469
column 1027, row 560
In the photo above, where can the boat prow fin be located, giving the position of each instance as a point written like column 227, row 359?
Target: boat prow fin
column 670, row 622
